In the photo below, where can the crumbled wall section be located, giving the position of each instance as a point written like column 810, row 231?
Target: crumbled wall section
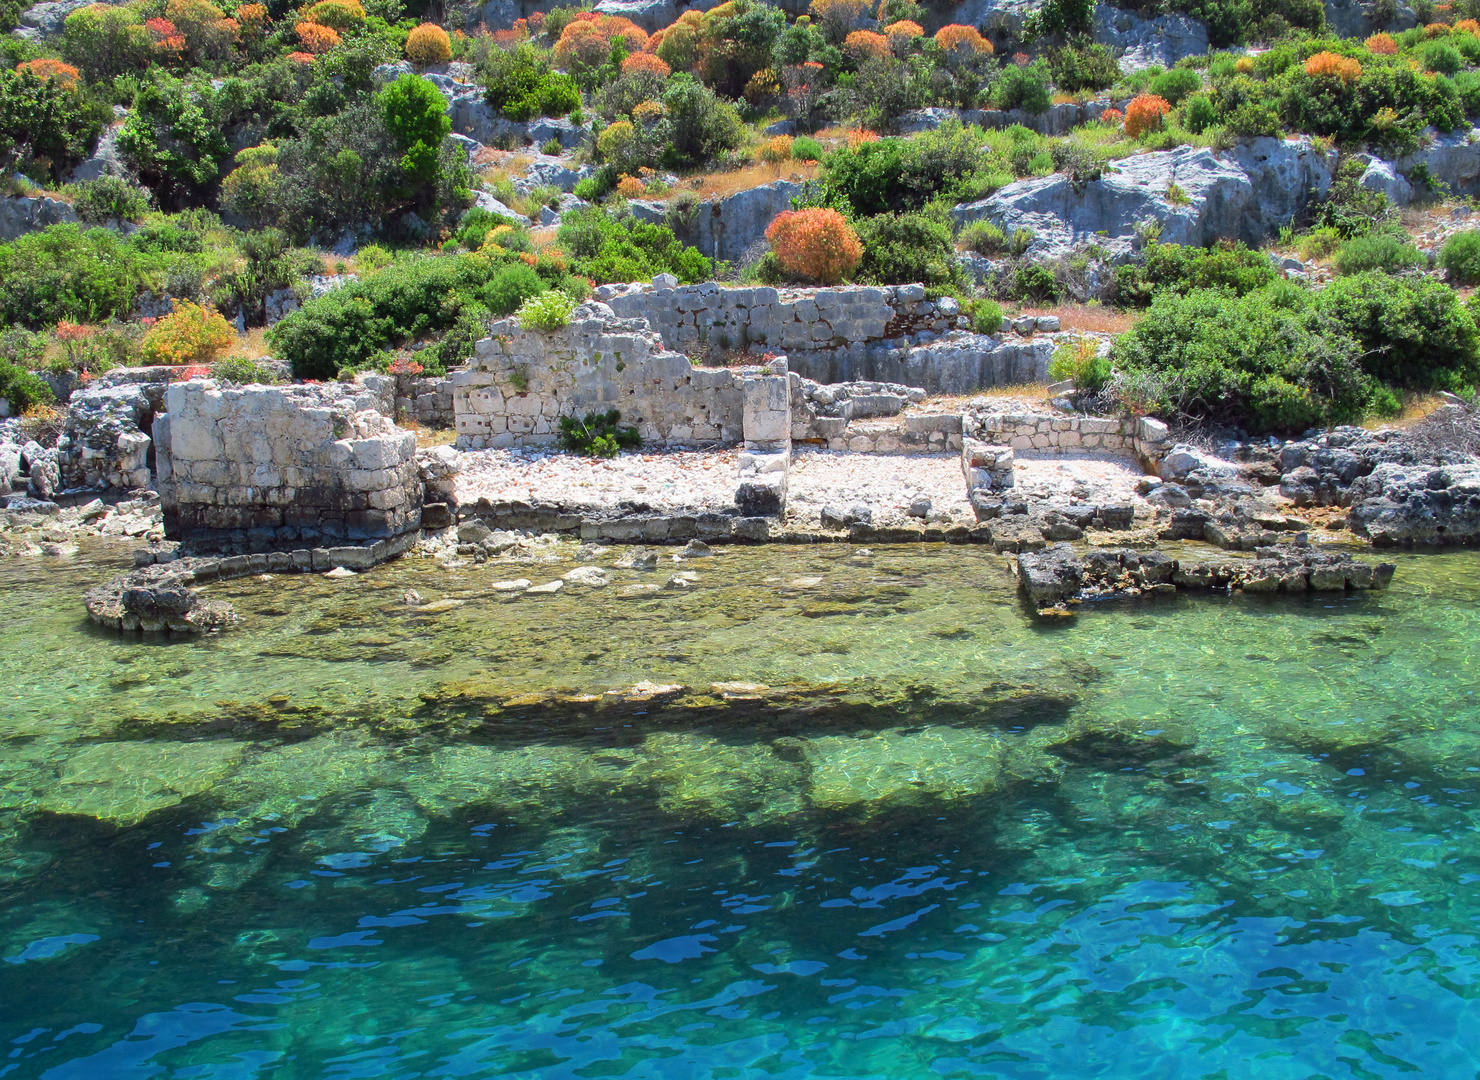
column 268, row 468
column 521, row 382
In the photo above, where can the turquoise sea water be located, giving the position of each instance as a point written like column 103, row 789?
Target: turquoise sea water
column 866, row 819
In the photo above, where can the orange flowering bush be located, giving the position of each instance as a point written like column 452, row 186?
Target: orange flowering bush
column 858, row 136
column 866, row 45
column 428, row 44
column 630, row 187
column 647, row 112
column 1144, row 113
column 963, row 41
column 190, row 334
column 644, row 61
column 302, row 57
column 902, row 33
column 253, row 16
column 1467, row 26
column 762, row 87
column 53, row 71
column 1244, row 65
column 817, row 244
column 1382, row 44
column 165, row 35
column 588, row 41
column 1111, row 116
column 1333, row 64
column 316, row 38
column 1436, row 29
column 775, row 149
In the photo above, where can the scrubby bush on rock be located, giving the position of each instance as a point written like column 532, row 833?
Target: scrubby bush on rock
column 609, row 247
column 1414, row 333
column 817, row 245
column 1460, row 257
column 189, row 334
column 903, row 248
column 1179, row 269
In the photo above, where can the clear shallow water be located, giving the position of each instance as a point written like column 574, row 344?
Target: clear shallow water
column 1207, row 837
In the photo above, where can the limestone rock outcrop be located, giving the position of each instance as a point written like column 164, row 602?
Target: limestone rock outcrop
column 1195, row 195
column 22, row 214
column 1401, row 505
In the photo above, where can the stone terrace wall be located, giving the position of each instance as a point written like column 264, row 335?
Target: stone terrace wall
column 521, row 382
column 264, row 468
column 851, row 333
column 1141, row 437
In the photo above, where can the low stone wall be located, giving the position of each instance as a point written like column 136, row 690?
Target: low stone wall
column 1141, row 437
column 521, row 382
column 426, row 400
column 268, row 468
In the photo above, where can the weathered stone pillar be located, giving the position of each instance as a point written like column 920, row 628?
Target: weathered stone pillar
column 767, row 455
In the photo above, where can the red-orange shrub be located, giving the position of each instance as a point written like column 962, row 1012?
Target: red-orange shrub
column 316, row 38
column 1467, row 26
column 1144, row 114
column 302, row 57
column 428, row 44
column 1335, row 65
column 53, row 71
column 588, row 41
column 644, row 61
column 630, row 187
column 858, row 136
column 1436, row 29
column 1111, row 116
column 866, row 45
column 253, row 16
column 901, row 34
column 775, row 150
column 1382, row 44
column 962, row 40
column 816, row 244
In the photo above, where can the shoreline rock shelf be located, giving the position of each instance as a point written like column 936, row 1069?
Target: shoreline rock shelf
column 1055, row 577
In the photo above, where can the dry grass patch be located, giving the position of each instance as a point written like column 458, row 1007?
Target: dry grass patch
column 1092, row 318
column 1416, row 406
column 252, row 345
column 721, row 185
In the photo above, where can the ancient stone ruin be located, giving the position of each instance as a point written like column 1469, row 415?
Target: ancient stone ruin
column 271, row 468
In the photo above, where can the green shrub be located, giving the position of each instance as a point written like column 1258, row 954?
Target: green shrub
column 698, row 125
column 983, row 237
column 597, row 435
column 23, row 388
column 109, row 198
column 1439, row 56
column 1381, row 252
column 607, row 247
column 1180, row 269
column 1035, row 283
column 1176, row 84
column 986, row 316
column 903, row 248
column 547, row 311
column 475, row 224
column 1023, row 88
column 175, row 138
column 1467, row 86
column 1460, row 257
column 1414, row 333
column 1266, row 361
column 806, row 148
column 414, row 114
column 1198, row 114
column 65, row 273
column 1079, row 359
column 43, row 126
column 519, row 83
column 240, row 370
column 416, row 298
column 1083, row 65
column 513, row 285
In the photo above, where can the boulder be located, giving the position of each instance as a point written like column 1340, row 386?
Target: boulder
column 1353, row 18
column 155, row 598
column 1404, row 505
column 46, row 20
column 22, row 214
column 1050, row 576
column 105, row 160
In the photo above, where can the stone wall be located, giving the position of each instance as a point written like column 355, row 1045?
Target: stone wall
column 426, row 400
column 274, row 468
column 1141, row 437
column 105, row 442
column 521, row 382
column 852, row 333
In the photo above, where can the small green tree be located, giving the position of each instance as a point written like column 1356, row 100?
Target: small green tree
column 415, row 116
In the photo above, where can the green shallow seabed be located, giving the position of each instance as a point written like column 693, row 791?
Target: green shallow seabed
column 820, row 814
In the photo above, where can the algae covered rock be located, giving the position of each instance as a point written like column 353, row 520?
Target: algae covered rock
column 155, row 598
column 124, row 782
column 698, row 774
column 903, row 766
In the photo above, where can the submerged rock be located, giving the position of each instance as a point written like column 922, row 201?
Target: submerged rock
column 156, row 598
column 125, row 782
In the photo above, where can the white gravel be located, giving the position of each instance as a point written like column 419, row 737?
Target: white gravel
column 886, row 483
column 1083, row 476
column 679, row 480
